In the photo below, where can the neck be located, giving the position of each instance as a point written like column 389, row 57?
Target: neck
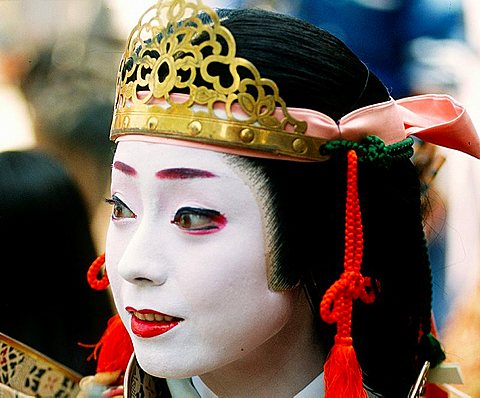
column 281, row 367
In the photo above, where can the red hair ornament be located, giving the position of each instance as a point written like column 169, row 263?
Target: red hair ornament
column 115, row 348
column 342, row 372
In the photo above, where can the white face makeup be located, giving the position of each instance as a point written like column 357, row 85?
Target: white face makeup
column 186, row 260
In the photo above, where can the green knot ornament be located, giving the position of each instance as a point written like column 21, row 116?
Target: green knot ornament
column 372, row 149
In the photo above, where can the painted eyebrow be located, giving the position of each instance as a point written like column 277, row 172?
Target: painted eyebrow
column 183, row 173
column 124, row 168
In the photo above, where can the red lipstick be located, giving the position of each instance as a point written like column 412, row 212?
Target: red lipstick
column 148, row 323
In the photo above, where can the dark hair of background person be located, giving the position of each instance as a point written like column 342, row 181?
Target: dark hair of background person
column 45, row 299
column 314, row 70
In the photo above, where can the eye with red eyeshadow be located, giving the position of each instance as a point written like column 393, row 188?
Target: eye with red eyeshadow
column 198, row 220
column 120, row 209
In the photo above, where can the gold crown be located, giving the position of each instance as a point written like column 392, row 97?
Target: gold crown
column 175, row 48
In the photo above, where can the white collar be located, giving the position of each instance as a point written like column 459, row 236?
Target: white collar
column 195, row 388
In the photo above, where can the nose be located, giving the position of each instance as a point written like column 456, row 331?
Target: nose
column 144, row 260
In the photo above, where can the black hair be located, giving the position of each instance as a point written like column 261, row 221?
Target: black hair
column 290, row 51
column 45, row 299
column 315, row 70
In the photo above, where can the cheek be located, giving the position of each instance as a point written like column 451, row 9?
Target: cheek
column 238, row 315
column 232, row 260
column 114, row 249
column 227, row 288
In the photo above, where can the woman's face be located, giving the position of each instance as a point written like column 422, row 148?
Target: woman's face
column 186, row 260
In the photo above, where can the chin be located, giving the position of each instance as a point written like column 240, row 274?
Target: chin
column 177, row 366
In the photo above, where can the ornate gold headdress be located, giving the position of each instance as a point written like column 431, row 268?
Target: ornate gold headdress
column 167, row 86
column 180, row 78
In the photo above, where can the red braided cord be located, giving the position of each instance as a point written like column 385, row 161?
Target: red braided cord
column 336, row 305
column 93, row 272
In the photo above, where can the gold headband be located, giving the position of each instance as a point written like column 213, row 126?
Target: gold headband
column 167, row 88
column 171, row 49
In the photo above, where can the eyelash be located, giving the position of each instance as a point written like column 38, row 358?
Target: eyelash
column 207, row 220
column 119, row 206
column 189, row 219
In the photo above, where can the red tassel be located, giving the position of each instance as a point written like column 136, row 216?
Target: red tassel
column 114, row 349
column 342, row 373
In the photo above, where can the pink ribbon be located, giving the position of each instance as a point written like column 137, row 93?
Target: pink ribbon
column 434, row 118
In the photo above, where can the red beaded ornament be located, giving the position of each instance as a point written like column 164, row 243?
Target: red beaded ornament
column 94, row 271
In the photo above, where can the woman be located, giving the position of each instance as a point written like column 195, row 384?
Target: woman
column 264, row 236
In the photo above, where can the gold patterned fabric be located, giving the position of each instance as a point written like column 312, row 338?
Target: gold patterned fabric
column 25, row 372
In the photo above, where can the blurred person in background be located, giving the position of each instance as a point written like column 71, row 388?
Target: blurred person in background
column 63, row 55
column 68, row 117
column 462, row 327
column 397, row 39
column 70, row 92
column 51, row 195
column 14, row 111
column 45, row 299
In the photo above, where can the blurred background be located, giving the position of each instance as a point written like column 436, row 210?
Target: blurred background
column 57, row 81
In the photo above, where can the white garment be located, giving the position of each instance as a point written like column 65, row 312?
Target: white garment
column 17, row 128
column 195, row 388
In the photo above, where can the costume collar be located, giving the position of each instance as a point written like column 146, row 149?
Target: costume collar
column 195, row 388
